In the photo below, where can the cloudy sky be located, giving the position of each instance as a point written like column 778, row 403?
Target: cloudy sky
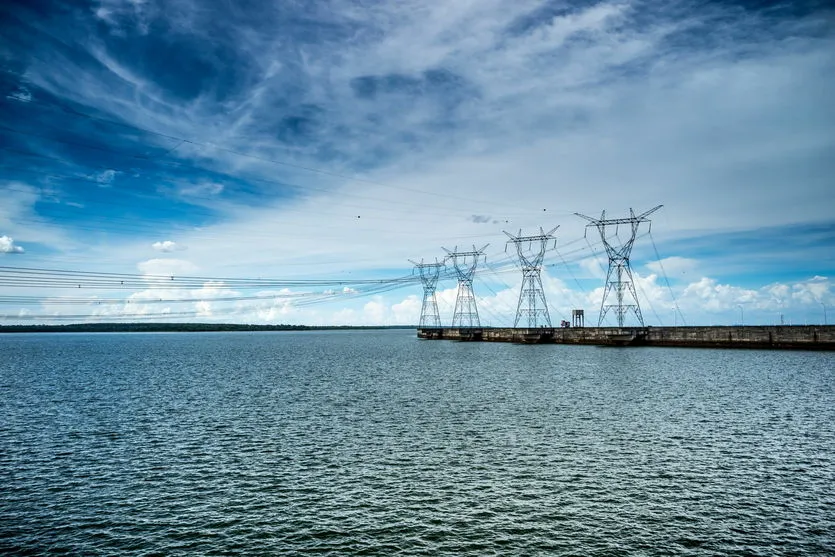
column 316, row 147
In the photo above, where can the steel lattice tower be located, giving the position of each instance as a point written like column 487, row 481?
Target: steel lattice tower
column 531, row 296
column 619, row 276
column 429, row 273
column 465, row 263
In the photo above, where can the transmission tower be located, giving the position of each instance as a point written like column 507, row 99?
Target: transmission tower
column 465, row 263
column 429, row 273
column 532, row 297
column 619, row 276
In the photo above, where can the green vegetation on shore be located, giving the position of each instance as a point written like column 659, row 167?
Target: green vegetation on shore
column 174, row 327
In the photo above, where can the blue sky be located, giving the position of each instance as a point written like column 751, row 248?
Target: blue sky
column 336, row 140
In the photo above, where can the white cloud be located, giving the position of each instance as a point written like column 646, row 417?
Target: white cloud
column 166, row 246
column 7, row 245
column 407, row 311
column 374, row 312
column 18, row 214
column 594, row 266
column 105, row 178
column 815, row 290
column 204, row 308
column 202, row 189
column 22, row 95
column 711, row 296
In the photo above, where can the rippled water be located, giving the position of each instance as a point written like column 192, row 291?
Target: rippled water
column 376, row 443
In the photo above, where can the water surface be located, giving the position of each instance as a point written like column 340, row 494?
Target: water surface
column 376, row 443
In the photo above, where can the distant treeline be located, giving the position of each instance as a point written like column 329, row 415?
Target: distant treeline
column 171, row 328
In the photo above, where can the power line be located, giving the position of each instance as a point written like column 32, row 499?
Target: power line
column 27, row 276
column 667, row 280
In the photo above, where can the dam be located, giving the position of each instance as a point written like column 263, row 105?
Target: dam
column 783, row 337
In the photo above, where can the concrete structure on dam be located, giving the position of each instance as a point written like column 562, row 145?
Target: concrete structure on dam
column 798, row 337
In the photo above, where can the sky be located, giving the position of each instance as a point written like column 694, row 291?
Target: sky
column 285, row 162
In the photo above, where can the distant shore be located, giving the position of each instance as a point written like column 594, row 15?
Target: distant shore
column 178, row 328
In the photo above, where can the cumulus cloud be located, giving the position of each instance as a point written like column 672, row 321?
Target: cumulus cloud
column 701, row 302
column 7, row 245
column 374, row 311
column 407, row 311
column 815, row 290
column 203, row 308
column 707, row 298
column 163, row 299
column 166, row 246
column 712, row 296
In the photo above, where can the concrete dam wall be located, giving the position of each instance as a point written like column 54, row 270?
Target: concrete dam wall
column 791, row 337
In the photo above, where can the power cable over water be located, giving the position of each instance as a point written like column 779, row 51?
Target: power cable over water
column 667, row 280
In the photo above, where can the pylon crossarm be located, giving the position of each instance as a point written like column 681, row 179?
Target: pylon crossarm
column 645, row 214
column 603, row 221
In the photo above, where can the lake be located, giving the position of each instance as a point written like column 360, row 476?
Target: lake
column 377, row 443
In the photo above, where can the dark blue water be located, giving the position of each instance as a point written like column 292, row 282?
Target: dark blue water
column 376, row 443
